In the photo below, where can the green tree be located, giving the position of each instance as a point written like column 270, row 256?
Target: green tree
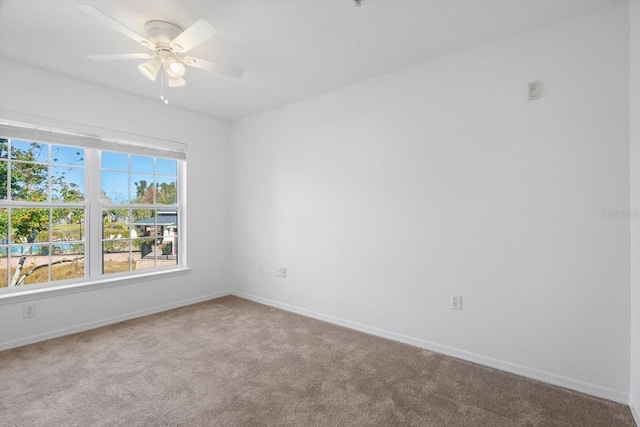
column 141, row 190
column 165, row 193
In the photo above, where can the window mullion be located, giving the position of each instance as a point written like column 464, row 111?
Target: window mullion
column 182, row 215
column 93, row 243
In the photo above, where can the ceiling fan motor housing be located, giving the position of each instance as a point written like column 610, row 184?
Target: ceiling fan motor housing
column 161, row 33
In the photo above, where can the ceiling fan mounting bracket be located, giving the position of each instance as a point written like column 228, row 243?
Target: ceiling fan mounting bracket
column 161, row 33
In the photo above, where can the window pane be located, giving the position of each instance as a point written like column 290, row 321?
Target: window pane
column 167, row 192
column 29, row 151
column 30, row 264
column 167, row 222
column 29, row 182
column 116, row 257
column 144, row 253
column 64, row 155
column 169, row 254
column 142, row 188
column 117, row 161
column 4, row 148
column 143, row 228
column 3, row 179
column 157, row 234
column 67, row 184
column 67, row 262
column 142, row 217
column 144, row 223
column 115, row 224
column 30, row 225
column 4, row 226
column 142, row 164
column 68, row 224
column 115, row 187
column 166, row 167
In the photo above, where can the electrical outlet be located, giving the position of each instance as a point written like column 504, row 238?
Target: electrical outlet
column 456, row 302
column 284, row 273
column 534, row 90
column 279, row 272
column 28, row 310
column 260, row 268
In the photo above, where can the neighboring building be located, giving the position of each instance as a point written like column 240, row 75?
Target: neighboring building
column 164, row 228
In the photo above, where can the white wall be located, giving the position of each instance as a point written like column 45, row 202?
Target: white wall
column 384, row 198
column 634, row 401
column 51, row 96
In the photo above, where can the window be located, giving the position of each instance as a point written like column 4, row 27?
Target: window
column 76, row 208
column 41, row 230
column 140, row 223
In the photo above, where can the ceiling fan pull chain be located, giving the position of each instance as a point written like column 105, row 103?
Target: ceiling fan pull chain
column 164, row 85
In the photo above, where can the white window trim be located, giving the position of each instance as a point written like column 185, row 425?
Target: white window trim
column 29, row 294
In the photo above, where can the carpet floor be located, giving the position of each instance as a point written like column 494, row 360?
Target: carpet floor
column 233, row 362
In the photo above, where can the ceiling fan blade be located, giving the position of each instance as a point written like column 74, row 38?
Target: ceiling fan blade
column 121, row 56
column 107, row 20
column 176, row 82
column 193, row 36
column 225, row 69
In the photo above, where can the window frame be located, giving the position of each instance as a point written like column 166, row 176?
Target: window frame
column 177, row 207
column 92, row 203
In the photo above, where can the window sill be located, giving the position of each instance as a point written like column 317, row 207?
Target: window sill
column 54, row 291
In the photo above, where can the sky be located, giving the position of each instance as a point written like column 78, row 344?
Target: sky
column 120, row 171
column 115, row 177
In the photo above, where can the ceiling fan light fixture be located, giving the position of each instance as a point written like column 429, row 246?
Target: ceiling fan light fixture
column 176, row 82
column 175, row 69
column 150, row 68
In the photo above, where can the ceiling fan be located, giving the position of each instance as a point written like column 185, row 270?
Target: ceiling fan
column 169, row 43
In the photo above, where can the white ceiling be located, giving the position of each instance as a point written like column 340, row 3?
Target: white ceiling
column 291, row 50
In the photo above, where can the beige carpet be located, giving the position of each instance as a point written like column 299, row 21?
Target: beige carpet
column 232, row 362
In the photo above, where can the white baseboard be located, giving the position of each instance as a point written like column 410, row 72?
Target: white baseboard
column 108, row 321
column 635, row 411
column 558, row 380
